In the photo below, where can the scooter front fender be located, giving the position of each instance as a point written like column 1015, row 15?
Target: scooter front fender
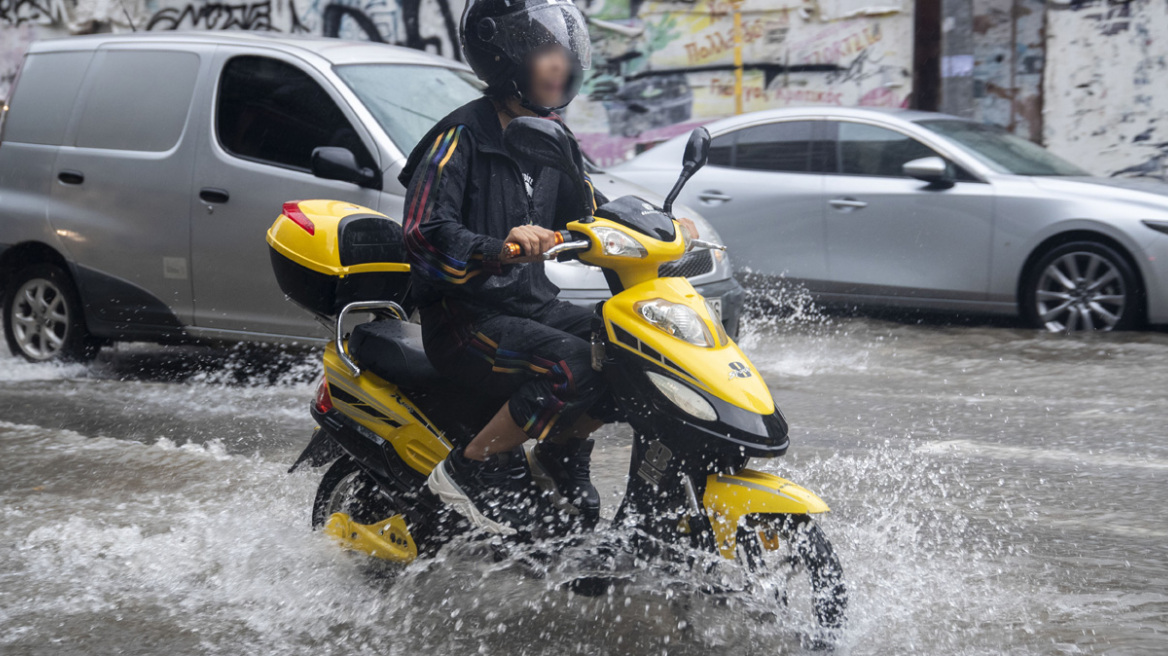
column 730, row 498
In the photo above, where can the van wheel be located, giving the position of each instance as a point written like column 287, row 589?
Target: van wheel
column 42, row 317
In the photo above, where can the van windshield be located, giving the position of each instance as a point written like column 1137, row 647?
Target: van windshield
column 407, row 100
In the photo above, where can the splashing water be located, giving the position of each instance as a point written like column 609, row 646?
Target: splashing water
column 994, row 491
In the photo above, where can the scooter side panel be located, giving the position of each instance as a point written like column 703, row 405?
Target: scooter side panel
column 731, row 497
column 381, row 407
column 723, row 370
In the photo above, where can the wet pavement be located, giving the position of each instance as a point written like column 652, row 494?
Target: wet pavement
column 994, row 491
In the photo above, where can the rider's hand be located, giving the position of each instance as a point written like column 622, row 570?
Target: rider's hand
column 533, row 239
column 688, row 228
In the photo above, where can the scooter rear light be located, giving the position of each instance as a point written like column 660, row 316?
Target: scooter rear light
column 324, row 401
column 292, row 211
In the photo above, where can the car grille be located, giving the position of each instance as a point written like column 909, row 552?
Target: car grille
column 691, row 264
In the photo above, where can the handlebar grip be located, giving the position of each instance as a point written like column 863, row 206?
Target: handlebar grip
column 515, row 250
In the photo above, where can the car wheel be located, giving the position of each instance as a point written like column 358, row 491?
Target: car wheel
column 1082, row 286
column 42, row 317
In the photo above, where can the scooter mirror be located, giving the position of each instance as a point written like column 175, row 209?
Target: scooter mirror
column 697, row 152
column 547, row 143
column 541, row 141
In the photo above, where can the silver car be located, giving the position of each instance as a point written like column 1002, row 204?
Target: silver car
column 921, row 210
column 138, row 173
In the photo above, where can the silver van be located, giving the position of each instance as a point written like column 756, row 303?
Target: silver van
column 138, row 173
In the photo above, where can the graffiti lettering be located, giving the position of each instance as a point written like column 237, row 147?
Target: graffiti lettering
column 40, row 12
column 846, row 47
column 786, row 96
column 856, row 70
column 219, row 16
column 720, row 42
column 725, row 88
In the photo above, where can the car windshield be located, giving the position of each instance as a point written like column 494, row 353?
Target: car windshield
column 407, row 117
column 1002, row 151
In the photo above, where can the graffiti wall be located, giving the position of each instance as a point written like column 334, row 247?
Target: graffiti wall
column 658, row 67
column 662, row 67
column 1108, row 109
column 1007, row 68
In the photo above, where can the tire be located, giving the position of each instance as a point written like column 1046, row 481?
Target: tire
column 43, row 318
column 1082, row 286
column 806, row 550
column 347, row 488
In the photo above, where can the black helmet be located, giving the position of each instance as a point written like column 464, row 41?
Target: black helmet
column 498, row 36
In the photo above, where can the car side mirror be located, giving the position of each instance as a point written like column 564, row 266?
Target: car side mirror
column 697, row 153
column 933, row 170
column 335, row 163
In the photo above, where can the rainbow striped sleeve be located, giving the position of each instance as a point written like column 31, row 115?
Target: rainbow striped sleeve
column 434, row 210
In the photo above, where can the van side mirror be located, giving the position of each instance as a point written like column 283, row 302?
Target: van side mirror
column 335, row 163
column 933, row 170
column 697, row 153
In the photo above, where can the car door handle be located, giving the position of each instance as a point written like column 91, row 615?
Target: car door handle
column 213, row 195
column 847, row 203
column 714, row 196
column 71, row 177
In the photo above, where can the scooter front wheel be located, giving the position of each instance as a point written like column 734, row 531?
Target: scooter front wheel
column 794, row 546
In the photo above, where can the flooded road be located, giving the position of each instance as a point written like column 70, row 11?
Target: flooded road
column 994, row 491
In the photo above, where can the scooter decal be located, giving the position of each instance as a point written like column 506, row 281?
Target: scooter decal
column 652, row 468
column 738, row 370
column 344, row 396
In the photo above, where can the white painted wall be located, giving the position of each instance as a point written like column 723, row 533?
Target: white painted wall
column 1106, row 86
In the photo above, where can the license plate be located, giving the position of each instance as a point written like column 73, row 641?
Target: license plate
column 716, row 306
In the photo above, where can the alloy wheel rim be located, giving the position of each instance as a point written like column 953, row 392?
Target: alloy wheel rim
column 40, row 319
column 1080, row 291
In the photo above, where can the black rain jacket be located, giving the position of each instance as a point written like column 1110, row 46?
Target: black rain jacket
column 464, row 194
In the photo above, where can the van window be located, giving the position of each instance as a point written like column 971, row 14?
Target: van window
column 44, row 97
column 138, row 100
column 273, row 112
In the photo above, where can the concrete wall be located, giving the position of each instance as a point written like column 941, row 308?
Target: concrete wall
column 659, row 67
column 1107, row 85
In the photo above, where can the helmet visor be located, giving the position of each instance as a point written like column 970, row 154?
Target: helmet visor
column 556, row 23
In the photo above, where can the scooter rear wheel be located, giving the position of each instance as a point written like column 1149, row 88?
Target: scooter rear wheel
column 346, row 488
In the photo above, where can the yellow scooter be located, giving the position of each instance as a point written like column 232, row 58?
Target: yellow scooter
column 698, row 407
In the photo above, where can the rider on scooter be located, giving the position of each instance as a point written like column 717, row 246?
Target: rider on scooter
column 491, row 320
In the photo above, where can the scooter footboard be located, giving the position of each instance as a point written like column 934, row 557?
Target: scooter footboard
column 729, row 498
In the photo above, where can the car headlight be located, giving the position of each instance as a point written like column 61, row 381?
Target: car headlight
column 678, row 320
column 683, row 397
column 615, row 242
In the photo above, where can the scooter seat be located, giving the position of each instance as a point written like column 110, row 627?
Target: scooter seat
column 393, row 350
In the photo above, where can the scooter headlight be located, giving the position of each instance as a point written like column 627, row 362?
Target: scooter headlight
column 615, row 242
column 683, row 397
column 678, row 320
